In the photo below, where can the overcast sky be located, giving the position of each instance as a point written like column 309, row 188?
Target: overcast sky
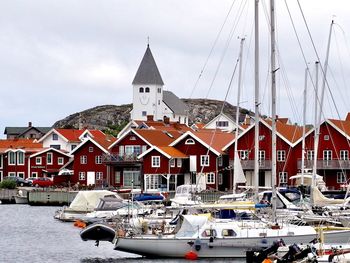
column 61, row 57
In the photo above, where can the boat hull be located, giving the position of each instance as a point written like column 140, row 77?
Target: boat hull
column 98, row 232
column 21, row 199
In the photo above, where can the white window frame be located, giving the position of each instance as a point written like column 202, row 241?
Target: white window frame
column 60, row 160
column 91, row 149
column 11, row 174
column 179, row 162
column 189, row 141
column 1, row 176
column 220, row 161
column 47, row 158
column 220, row 179
column 38, row 160
column 326, row 137
column 99, row 175
column 155, row 161
column 34, row 174
column 1, row 161
column 82, row 176
column 341, row 177
column 210, row 178
column 205, row 160
column 17, row 156
column 172, row 162
column 327, row 155
column 83, row 159
column 310, row 155
column 98, row 159
column 55, row 137
column 262, row 155
column 283, row 177
column 9, row 154
column 21, row 174
column 243, row 154
column 344, row 155
column 281, row 156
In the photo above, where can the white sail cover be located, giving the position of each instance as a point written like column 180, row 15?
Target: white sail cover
column 320, row 200
column 191, row 224
column 88, row 200
column 238, row 174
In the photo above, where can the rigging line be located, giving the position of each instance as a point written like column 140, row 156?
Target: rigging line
column 212, row 49
column 232, row 31
column 322, row 70
column 222, row 108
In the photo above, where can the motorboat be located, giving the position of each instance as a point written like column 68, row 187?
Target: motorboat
column 185, row 195
column 21, row 198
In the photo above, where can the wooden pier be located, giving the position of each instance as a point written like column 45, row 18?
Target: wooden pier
column 51, row 197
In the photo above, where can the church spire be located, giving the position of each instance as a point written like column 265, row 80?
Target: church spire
column 148, row 72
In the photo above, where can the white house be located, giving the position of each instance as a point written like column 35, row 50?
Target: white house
column 222, row 122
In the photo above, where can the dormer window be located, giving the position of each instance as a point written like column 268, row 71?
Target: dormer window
column 132, row 138
column 147, row 90
column 141, row 89
column 189, row 142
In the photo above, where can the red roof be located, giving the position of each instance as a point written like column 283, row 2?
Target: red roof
column 159, row 137
column 173, row 152
column 105, row 141
column 72, row 135
column 289, row 131
column 26, row 144
column 215, row 138
column 342, row 125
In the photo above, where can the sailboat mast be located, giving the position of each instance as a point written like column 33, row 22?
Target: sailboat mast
column 304, row 123
column 257, row 102
column 237, row 112
column 273, row 107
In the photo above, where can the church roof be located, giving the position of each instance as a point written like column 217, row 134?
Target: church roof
column 148, row 72
column 174, row 103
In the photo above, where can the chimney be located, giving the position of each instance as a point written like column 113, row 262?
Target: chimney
column 166, row 120
column 30, row 124
column 247, row 120
column 348, row 117
column 149, row 117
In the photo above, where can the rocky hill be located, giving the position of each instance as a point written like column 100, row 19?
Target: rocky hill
column 115, row 117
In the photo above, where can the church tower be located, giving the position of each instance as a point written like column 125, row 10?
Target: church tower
column 147, row 90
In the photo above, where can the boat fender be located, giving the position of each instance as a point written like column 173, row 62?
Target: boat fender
column 190, row 255
column 197, row 244
column 211, row 241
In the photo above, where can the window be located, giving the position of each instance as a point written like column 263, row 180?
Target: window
column 344, row 155
column 144, row 148
column 91, row 149
column 20, row 158
column 83, row 159
column 98, row 159
column 54, row 137
column 326, row 137
column 49, row 158
column 204, row 160
column 220, row 178
column 60, row 160
column 189, row 141
column 72, row 147
column 261, row 137
column 11, row 158
column 283, row 177
column 121, row 150
column 11, row 174
column 20, row 174
column 261, row 155
column 341, row 177
column 34, row 174
column 281, row 156
column 153, row 182
column 179, row 162
column 132, row 138
column 209, row 233
column 172, row 162
column 131, row 177
column 310, row 155
column 210, row 178
column 81, row 176
column 159, row 90
column 243, row 154
column 117, row 177
column 141, row 89
column 220, row 161
column 147, row 90
column 55, row 146
column 99, row 175
column 38, row 160
column 155, row 161
column 327, row 155
column 228, row 233
column 222, row 124
column 144, row 113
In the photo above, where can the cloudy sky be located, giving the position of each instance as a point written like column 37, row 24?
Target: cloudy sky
column 61, row 57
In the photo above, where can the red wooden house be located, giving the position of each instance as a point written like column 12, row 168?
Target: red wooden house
column 88, row 167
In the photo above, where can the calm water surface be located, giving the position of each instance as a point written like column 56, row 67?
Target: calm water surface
column 31, row 234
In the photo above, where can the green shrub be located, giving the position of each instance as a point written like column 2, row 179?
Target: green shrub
column 8, row 184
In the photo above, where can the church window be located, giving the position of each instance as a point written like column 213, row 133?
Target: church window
column 141, row 90
column 147, row 90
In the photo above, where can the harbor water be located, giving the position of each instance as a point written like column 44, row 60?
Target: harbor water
column 31, row 234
